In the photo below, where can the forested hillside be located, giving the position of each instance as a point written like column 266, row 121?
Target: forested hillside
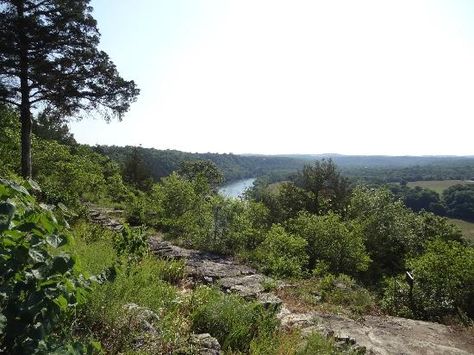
column 161, row 163
column 372, row 169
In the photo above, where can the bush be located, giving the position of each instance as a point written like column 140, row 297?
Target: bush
column 39, row 285
column 443, row 283
column 282, row 254
column 337, row 244
column 232, row 320
column 388, row 228
column 131, row 242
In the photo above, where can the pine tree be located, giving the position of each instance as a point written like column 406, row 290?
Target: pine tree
column 49, row 59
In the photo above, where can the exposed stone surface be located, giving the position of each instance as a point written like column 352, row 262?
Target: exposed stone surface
column 206, row 344
column 143, row 316
column 374, row 334
column 393, row 335
column 103, row 217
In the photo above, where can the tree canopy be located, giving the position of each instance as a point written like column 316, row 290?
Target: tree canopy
column 49, row 59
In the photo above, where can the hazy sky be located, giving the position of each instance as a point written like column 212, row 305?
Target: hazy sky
column 270, row 76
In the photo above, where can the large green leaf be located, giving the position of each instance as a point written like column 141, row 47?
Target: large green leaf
column 38, row 256
column 7, row 210
column 34, row 185
column 62, row 263
column 56, row 240
column 3, row 323
column 14, row 186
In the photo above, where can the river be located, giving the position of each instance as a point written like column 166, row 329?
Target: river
column 236, row 188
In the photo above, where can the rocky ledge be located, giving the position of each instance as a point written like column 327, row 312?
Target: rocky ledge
column 372, row 334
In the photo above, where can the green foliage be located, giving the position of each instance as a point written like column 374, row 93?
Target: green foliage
column 181, row 210
column 342, row 290
column 418, row 198
column 330, row 191
column 205, row 169
column 443, row 279
column 144, row 282
column 38, row 285
column 106, row 315
column 9, row 141
column 135, row 170
column 459, row 200
column 71, row 175
column 164, row 162
column 429, row 227
column 287, row 201
column 388, row 228
column 337, row 244
column 396, row 299
column 132, row 242
column 52, row 127
column 93, row 247
column 232, row 320
column 281, row 253
column 140, row 209
column 190, row 212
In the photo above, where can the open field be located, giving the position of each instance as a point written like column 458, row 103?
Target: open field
column 438, row 185
column 467, row 228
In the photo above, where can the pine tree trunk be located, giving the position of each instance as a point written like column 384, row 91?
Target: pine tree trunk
column 25, row 110
column 25, row 117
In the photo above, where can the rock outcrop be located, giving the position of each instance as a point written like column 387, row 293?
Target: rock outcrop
column 372, row 334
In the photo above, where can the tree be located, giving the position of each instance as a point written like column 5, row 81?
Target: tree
column 53, row 128
column 337, row 244
column 388, row 228
column 330, row 190
column 459, row 200
column 49, row 60
column 281, row 253
column 193, row 169
column 136, row 171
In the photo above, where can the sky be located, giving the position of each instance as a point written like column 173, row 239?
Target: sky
column 301, row 76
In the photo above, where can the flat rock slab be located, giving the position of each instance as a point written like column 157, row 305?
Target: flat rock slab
column 375, row 334
column 393, row 335
column 201, row 265
column 248, row 286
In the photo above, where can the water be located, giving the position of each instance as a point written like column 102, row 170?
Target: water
column 236, row 188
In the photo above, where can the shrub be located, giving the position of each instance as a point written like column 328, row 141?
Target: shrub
column 443, row 283
column 38, row 285
column 282, row 254
column 131, row 242
column 388, row 230
column 337, row 244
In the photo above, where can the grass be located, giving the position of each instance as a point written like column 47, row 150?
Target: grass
column 437, row 185
column 241, row 327
column 330, row 294
column 467, row 228
column 291, row 342
column 235, row 322
column 148, row 282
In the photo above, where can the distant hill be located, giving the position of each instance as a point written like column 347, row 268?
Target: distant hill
column 376, row 168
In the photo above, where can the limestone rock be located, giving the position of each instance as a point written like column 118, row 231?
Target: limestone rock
column 206, row 344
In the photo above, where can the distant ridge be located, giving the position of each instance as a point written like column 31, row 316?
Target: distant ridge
column 239, row 166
